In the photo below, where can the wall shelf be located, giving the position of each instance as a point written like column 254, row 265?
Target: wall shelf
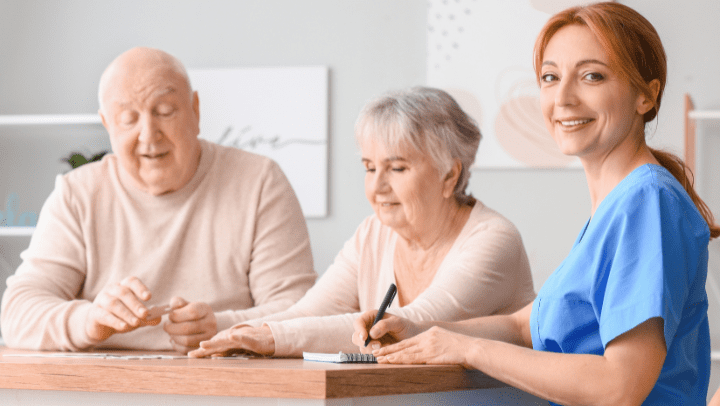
column 704, row 114
column 16, row 231
column 42, row 119
column 691, row 116
column 49, row 119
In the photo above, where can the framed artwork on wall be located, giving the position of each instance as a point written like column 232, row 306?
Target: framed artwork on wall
column 279, row 112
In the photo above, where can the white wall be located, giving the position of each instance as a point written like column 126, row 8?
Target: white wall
column 52, row 53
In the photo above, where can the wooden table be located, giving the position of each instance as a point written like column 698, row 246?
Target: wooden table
column 264, row 381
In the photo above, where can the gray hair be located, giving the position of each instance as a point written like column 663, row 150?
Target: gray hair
column 430, row 121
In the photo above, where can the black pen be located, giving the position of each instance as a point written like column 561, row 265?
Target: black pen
column 389, row 296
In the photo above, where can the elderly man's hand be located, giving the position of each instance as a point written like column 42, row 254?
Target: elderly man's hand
column 189, row 324
column 118, row 308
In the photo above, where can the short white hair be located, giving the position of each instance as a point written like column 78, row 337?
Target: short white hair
column 430, row 121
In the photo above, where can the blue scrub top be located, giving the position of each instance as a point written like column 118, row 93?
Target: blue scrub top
column 643, row 254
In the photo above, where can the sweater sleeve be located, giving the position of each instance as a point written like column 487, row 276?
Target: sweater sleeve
column 281, row 266
column 480, row 276
column 312, row 323
column 336, row 292
column 323, row 318
column 39, row 307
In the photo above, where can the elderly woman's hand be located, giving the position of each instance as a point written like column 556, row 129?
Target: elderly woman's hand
column 389, row 330
column 238, row 339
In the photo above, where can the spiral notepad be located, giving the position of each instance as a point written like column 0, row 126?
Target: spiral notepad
column 340, row 357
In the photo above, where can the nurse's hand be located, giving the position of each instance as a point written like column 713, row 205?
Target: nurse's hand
column 238, row 340
column 389, row 330
column 435, row 346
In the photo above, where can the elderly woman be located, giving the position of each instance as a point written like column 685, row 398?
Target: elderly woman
column 450, row 256
column 623, row 320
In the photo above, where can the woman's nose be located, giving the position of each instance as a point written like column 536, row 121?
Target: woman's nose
column 380, row 183
column 566, row 93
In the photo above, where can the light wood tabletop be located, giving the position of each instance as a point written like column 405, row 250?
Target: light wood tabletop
column 252, row 377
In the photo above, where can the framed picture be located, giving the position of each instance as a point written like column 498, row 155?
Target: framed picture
column 281, row 113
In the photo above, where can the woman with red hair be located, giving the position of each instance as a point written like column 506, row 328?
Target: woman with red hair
column 623, row 320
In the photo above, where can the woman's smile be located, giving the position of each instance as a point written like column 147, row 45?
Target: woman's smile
column 574, row 124
column 588, row 107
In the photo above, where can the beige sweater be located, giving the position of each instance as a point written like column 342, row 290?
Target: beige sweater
column 485, row 272
column 233, row 237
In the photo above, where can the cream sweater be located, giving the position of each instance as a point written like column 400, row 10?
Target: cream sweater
column 485, row 272
column 233, row 237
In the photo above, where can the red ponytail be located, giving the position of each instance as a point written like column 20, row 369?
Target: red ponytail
column 680, row 171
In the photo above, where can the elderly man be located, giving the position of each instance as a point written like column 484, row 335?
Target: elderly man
column 168, row 219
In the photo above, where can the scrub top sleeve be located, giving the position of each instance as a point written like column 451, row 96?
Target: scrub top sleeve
column 646, row 273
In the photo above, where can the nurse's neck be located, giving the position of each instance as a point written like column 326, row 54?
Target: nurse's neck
column 605, row 172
